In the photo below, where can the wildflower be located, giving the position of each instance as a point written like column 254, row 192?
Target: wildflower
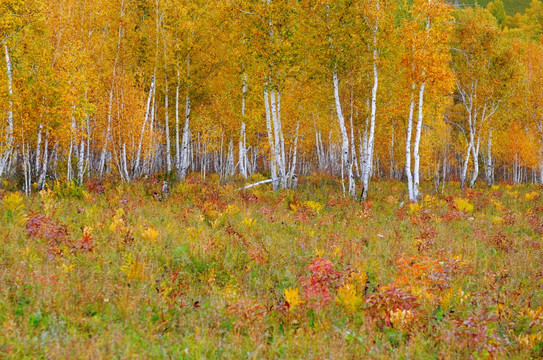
column 292, row 297
column 463, row 205
column 497, row 219
column 248, row 222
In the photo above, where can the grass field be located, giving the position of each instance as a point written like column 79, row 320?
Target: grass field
column 210, row 272
column 511, row 6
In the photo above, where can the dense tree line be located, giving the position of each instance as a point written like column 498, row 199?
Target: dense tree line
column 414, row 90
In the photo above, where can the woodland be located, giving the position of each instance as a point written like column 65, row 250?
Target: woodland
column 404, row 90
column 271, row 179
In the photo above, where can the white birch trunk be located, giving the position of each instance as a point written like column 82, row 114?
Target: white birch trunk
column 409, row 131
column 242, row 152
column 177, row 147
column 273, row 162
column 167, row 122
column 143, row 126
column 371, row 135
column 416, row 145
column 9, row 131
column 345, row 158
column 185, row 151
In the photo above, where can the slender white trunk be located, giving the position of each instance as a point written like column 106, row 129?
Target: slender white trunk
column 81, row 161
column 167, row 129
column 291, row 174
column 242, row 152
column 230, row 167
column 243, row 161
column 277, row 134
column 270, row 139
column 408, row 148
column 371, row 136
column 464, row 173
column 41, row 180
column 177, row 148
column 185, row 151
column 26, row 171
column 38, row 151
column 489, row 166
column 475, row 152
column 345, row 159
column 69, row 170
column 416, row 145
column 9, row 131
column 143, row 126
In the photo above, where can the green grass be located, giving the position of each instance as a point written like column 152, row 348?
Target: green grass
column 380, row 279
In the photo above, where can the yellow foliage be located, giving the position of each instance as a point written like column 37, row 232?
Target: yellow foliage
column 256, row 177
column 463, row 205
column 48, row 200
column 87, row 196
column 314, row 206
column 194, row 233
column 292, row 296
column 293, row 207
column 400, row 319
column 13, row 202
column 497, row 219
column 248, row 222
column 229, row 292
column 529, row 341
column 132, row 268
column 14, row 205
column 430, row 200
column 210, row 277
column 359, row 279
column 347, row 297
column 534, row 195
column 414, row 208
column 87, row 231
column 149, row 234
column 68, row 268
column 498, row 205
column 118, row 221
column 446, row 299
column 232, row 210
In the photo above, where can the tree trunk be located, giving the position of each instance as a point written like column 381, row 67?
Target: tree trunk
column 9, row 141
column 371, row 136
column 416, row 152
column 273, row 162
column 345, row 158
column 409, row 131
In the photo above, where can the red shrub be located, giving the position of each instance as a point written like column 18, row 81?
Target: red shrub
column 324, row 278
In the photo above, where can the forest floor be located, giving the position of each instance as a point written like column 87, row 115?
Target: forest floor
column 210, row 272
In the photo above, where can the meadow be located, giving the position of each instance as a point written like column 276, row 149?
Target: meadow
column 120, row 270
